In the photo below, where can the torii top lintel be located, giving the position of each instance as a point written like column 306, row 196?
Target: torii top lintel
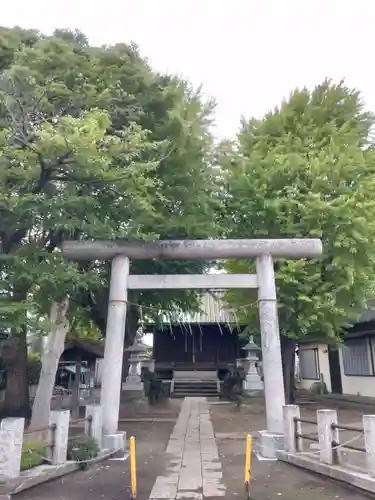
column 296, row 248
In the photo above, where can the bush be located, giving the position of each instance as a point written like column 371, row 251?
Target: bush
column 83, row 448
column 33, row 455
column 232, row 388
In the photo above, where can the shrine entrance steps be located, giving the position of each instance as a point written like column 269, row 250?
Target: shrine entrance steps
column 195, row 383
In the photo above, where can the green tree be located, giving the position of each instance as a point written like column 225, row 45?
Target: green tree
column 66, row 179
column 307, row 170
column 94, row 145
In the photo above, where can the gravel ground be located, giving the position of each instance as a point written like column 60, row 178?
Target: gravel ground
column 152, row 427
column 110, row 480
column 270, row 479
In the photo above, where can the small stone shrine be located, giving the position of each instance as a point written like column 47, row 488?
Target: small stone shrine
column 133, row 381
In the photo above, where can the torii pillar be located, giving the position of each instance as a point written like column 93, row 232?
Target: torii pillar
column 263, row 251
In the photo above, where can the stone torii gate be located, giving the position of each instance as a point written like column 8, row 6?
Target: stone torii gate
column 264, row 251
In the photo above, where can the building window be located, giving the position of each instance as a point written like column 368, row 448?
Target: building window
column 308, row 360
column 357, row 358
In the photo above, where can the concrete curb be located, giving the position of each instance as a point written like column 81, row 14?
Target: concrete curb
column 42, row 474
column 337, row 472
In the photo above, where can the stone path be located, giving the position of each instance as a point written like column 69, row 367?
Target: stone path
column 194, row 469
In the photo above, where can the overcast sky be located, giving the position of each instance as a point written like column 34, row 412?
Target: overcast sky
column 248, row 54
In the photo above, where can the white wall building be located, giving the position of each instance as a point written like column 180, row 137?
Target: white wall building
column 349, row 369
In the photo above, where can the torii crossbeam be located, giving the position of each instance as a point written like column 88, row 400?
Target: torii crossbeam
column 264, row 251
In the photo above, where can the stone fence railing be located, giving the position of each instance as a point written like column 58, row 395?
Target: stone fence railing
column 329, row 454
column 55, row 439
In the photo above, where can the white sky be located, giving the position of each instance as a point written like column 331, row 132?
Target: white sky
column 248, row 54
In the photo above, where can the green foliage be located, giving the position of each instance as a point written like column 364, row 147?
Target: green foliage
column 306, row 170
column 83, row 329
column 33, row 454
column 94, row 145
column 83, row 449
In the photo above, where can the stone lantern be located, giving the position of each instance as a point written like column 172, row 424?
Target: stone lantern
column 253, row 381
column 133, row 380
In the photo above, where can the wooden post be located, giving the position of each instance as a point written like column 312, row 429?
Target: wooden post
column 76, row 391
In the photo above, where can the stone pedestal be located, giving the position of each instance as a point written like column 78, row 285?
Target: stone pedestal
column 116, row 442
column 270, row 443
column 253, row 382
column 94, row 423
column 292, row 444
column 369, row 432
column 11, row 437
column 327, row 435
column 60, row 421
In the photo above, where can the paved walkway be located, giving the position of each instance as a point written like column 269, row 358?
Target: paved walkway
column 194, row 469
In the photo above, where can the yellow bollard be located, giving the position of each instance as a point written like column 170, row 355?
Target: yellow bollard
column 133, row 468
column 249, row 446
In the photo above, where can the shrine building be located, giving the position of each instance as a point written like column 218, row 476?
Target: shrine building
column 194, row 351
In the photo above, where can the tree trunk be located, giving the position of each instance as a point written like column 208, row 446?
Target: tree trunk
column 50, row 361
column 76, row 391
column 14, row 354
column 288, row 355
column 131, row 328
